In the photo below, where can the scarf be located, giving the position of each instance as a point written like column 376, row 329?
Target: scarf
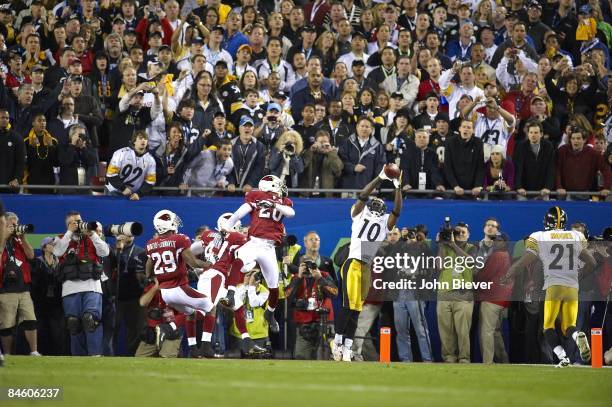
column 48, row 139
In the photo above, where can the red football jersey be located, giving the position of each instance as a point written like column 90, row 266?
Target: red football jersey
column 168, row 264
column 266, row 223
column 226, row 252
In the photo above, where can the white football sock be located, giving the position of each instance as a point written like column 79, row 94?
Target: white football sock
column 348, row 343
column 206, row 336
column 191, row 341
column 560, row 352
column 575, row 336
column 338, row 339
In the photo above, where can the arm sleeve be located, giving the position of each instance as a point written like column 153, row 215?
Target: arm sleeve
column 445, row 79
column 257, row 300
column 287, row 211
column 529, row 63
column 101, row 246
column 197, row 248
column 62, row 244
column 124, row 103
column 239, row 214
column 502, row 73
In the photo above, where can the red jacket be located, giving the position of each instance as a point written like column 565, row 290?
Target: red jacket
column 303, row 292
column 142, row 33
column 80, row 244
column 495, row 268
column 578, row 171
column 19, row 255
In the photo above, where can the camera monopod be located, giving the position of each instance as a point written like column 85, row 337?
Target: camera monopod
column 597, row 338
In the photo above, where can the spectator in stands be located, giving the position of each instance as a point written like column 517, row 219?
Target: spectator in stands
column 286, row 160
column 66, row 118
column 521, row 99
column 21, row 110
column 460, row 49
column 577, row 167
column 15, row 279
column 454, row 306
column 534, row 163
column 248, row 155
column 80, row 272
column 386, row 68
column 75, row 158
column 402, row 81
column 454, row 92
column 322, row 165
column 336, row 124
column 207, row 103
column 499, row 172
column 128, row 270
column 550, row 124
column 518, row 42
column 41, row 92
column 311, row 94
column 41, row 153
column 362, row 154
column 535, row 27
column 494, row 302
column 271, row 128
column 427, row 119
column 133, row 115
column 420, row 165
column 464, row 161
column 210, row 168
column 12, row 155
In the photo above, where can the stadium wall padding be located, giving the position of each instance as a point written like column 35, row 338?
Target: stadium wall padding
column 329, row 217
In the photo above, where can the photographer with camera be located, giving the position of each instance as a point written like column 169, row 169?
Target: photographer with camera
column 285, row 158
column 80, row 251
column 311, row 290
column 16, row 306
column 322, row 166
column 75, row 158
column 270, row 129
column 455, row 306
column 494, row 302
column 128, row 278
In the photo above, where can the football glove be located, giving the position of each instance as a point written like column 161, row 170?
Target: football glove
column 397, row 182
column 265, row 204
column 383, row 176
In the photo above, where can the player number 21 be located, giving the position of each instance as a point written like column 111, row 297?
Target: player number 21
column 164, row 262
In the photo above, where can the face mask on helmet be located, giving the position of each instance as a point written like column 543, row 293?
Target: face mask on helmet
column 555, row 218
column 377, row 206
column 223, row 220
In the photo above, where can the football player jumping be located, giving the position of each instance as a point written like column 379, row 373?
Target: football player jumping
column 268, row 207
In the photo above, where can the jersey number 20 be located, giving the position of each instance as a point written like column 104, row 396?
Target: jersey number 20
column 373, row 230
column 267, row 214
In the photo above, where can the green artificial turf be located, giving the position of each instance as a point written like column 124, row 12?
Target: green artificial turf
column 90, row 382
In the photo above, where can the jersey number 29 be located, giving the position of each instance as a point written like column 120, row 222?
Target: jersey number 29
column 164, row 262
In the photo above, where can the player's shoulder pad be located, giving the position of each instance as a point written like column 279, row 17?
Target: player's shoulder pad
column 181, row 236
column 532, row 242
column 253, row 196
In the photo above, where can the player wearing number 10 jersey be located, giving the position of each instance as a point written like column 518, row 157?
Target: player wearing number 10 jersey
column 167, row 255
column 371, row 224
column 560, row 251
column 267, row 207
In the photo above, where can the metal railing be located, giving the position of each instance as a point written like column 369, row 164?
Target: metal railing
column 311, row 192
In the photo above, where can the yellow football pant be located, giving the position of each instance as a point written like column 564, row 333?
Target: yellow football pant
column 355, row 284
column 564, row 300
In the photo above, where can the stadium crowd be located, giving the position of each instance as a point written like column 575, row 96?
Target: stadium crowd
column 463, row 95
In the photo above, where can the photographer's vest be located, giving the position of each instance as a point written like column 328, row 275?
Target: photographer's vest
column 309, row 288
column 13, row 251
column 256, row 324
column 80, row 261
column 448, row 274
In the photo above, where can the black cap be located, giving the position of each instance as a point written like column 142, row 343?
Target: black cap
column 38, row 68
column 219, row 113
column 164, row 46
column 397, row 95
column 221, row 62
column 534, row 4
column 197, row 40
column 358, row 62
column 76, row 78
column 118, row 19
column 73, row 16
column 359, row 33
column 218, row 28
column 404, row 113
column 156, row 34
column 443, row 117
column 129, row 31
column 309, row 28
column 280, row 95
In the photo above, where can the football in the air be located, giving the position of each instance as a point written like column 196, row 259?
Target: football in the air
column 392, row 170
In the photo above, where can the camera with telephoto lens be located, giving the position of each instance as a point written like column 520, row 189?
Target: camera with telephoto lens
column 128, row 229
column 446, row 231
column 301, row 304
column 289, row 147
column 310, row 266
column 23, row 229
column 84, row 226
column 153, row 17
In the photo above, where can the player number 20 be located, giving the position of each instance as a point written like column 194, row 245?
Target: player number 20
column 373, row 230
column 267, row 214
column 164, row 262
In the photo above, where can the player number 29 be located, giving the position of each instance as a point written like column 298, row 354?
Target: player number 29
column 164, row 262
column 267, row 214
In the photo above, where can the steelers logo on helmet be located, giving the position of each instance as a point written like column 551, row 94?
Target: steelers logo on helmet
column 377, row 206
column 555, row 218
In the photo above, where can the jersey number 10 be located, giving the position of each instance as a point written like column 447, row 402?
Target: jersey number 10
column 373, row 230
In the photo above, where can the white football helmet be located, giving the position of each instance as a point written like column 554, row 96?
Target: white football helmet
column 165, row 221
column 271, row 183
column 223, row 220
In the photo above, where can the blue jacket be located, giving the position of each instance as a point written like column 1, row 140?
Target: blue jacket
column 372, row 156
column 232, row 44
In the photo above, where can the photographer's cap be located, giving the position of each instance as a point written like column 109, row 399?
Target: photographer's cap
column 274, row 106
column 246, row 120
column 46, row 241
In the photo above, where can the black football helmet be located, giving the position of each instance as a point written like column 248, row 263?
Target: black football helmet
column 377, row 206
column 555, row 218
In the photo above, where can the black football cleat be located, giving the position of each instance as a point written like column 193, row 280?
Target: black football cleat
column 269, row 316
column 206, row 350
column 194, row 352
column 249, row 348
